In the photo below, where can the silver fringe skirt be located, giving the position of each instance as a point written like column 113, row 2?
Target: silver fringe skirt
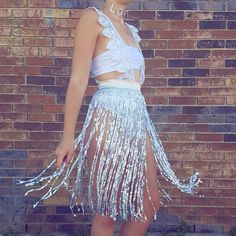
column 110, row 158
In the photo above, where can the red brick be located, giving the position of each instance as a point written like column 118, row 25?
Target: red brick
column 194, row 91
column 210, row 156
column 65, row 23
column 39, row 61
column 210, row 82
column 167, row 72
column 186, row 44
column 173, row 53
column 222, row 91
column 30, row 51
column 5, row 31
column 195, row 201
column 38, row 3
column 11, row 41
column 226, row 34
column 48, row 108
column 10, row 98
column 206, row 173
column 41, row 117
column 40, row 42
column 182, row 155
column 222, row 220
column 180, row 24
column 12, row 3
column 150, row 24
column 38, row 98
column 6, row 107
column 211, row 62
column 211, row 100
column 209, row 137
column 154, row 63
column 24, row 70
column 26, row 12
column 5, row 12
column 182, row 100
column 13, row 116
column 5, row 70
column 182, row 118
column 222, row 146
column 199, row 15
column 221, row 183
column 32, row 163
column 210, row 211
column 6, row 144
column 196, row 34
column 13, row 135
column 223, row 72
column 224, row 53
column 222, row 165
column 230, row 156
column 156, row 100
column 177, row 137
column 11, row 61
column 169, row 34
column 28, row 89
column 35, row 144
column 152, row 44
column 6, row 89
column 223, row 201
column 195, row 146
column 196, row 219
column 200, row 165
column 181, row 210
column 28, row 107
column 229, row 173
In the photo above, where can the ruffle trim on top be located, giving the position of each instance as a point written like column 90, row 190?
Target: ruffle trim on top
column 116, row 42
column 134, row 32
column 108, row 31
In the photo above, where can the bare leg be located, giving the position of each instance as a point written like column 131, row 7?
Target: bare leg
column 130, row 228
column 102, row 225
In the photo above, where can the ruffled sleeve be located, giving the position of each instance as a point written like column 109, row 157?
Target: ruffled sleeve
column 108, row 31
column 134, row 31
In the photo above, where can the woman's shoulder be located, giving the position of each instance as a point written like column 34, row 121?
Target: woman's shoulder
column 89, row 13
column 89, row 17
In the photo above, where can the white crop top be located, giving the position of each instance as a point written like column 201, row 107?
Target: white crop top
column 119, row 56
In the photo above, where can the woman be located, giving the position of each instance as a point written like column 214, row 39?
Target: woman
column 119, row 150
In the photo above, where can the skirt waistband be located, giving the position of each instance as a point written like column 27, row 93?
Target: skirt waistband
column 118, row 84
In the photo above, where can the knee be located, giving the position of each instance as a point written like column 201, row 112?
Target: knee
column 104, row 220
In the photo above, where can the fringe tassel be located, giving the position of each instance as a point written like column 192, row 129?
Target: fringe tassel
column 120, row 120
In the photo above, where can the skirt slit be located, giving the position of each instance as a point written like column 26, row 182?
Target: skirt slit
column 116, row 159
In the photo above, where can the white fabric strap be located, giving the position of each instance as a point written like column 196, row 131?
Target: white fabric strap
column 118, row 83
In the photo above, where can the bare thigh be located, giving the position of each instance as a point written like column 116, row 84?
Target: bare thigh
column 151, row 195
column 150, row 173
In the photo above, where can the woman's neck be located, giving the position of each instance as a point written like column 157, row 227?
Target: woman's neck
column 117, row 11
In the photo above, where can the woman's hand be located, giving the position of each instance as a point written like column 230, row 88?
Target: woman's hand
column 64, row 152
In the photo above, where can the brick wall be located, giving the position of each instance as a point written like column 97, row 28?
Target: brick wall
column 190, row 89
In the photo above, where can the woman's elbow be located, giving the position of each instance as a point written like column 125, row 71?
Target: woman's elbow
column 78, row 83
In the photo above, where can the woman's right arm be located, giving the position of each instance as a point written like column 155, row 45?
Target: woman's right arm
column 86, row 33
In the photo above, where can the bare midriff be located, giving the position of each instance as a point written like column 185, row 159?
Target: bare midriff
column 115, row 74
